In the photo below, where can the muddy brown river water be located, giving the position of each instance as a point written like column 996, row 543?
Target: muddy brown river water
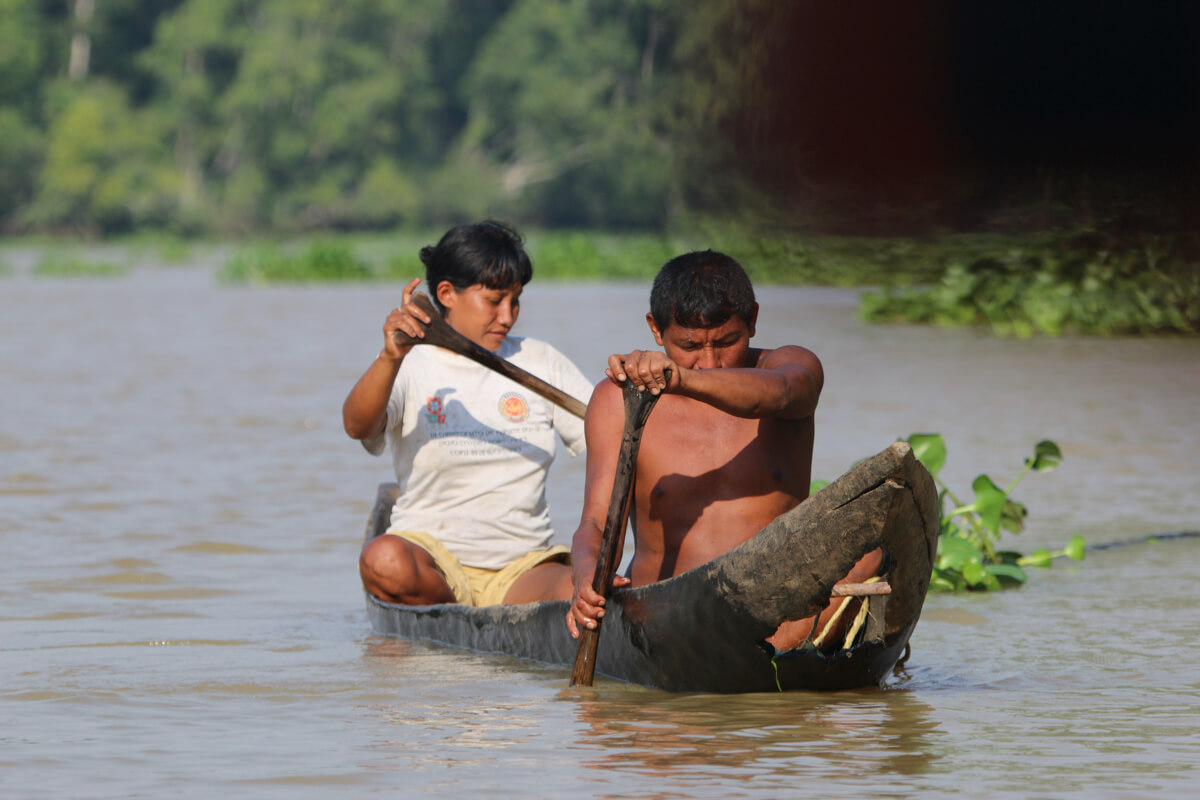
column 180, row 515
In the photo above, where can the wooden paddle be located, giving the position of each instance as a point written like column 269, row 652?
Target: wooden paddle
column 438, row 332
column 637, row 410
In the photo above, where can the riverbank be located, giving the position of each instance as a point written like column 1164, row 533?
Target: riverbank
column 1089, row 282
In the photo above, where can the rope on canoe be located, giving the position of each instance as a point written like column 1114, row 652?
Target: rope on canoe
column 837, row 615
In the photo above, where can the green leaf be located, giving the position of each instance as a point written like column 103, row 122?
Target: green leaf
column 1012, row 516
column 940, row 583
column 1075, row 548
column 1046, row 456
column 989, row 503
column 816, row 486
column 956, row 553
column 1007, row 573
column 930, row 450
column 978, row 576
column 1007, row 557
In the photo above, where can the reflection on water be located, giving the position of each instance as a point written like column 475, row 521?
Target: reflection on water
column 700, row 737
column 226, row 548
column 180, row 515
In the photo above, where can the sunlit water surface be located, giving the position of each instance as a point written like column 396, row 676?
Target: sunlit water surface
column 180, row 515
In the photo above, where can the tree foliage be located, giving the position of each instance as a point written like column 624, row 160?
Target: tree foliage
column 235, row 116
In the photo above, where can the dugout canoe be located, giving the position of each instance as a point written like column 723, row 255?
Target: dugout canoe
column 705, row 630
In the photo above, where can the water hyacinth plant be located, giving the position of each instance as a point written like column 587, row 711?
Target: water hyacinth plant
column 968, row 557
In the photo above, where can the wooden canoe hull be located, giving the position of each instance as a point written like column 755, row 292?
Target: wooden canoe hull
column 705, row 630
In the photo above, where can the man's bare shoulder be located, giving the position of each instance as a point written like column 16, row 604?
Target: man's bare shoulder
column 606, row 404
column 787, row 354
column 804, row 374
column 605, row 394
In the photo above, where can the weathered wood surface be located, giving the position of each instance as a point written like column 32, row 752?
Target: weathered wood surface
column 705, row 630
column 861, row 589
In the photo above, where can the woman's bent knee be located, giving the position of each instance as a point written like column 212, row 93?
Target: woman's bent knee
column 398, row 571
column 386, row 569
column 382, row 553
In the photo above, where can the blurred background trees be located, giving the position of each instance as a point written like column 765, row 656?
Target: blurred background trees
column 232, row 116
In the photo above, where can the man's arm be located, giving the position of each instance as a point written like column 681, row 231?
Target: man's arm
column 785, row 382
column 603, row 427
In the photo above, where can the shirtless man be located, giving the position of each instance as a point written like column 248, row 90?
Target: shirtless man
column 727, row 449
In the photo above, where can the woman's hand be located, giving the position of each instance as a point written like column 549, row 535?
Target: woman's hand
column 408, row 319
column 364, row 414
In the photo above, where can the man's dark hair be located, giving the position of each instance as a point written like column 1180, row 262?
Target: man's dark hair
column 490, row 253
column 703, row 289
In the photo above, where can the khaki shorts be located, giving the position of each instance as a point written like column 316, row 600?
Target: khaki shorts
column 475, row 586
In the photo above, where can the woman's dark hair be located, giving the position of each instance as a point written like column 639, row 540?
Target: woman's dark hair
column 703, row 289
column 490, row 253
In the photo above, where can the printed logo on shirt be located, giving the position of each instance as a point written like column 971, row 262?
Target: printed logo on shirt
column 434, row 412
column 514, row 407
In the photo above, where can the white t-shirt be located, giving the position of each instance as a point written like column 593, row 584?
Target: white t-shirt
column 472, row 448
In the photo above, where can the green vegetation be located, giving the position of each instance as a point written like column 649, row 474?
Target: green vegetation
column 59, row 268
column 582, row 255
column 770, row 257
column 159, row 247
column 968, row 558
column 557, row 255
column 1016, row 285
column 1087, row 283
column 320, row 261
column 235, row 117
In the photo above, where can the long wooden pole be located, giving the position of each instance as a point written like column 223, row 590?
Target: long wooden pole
column 438, row 332
column 637, row 409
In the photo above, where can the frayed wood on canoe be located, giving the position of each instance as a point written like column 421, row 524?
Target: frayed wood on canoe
column 706, row 629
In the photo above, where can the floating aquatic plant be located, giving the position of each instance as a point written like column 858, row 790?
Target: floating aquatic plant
column 968, row 557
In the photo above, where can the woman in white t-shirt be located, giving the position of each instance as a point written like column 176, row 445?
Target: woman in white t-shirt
column 471, row 448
